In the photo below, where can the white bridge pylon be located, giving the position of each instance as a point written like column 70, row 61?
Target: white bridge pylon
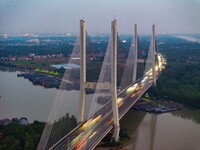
column 113, row 84
column 114, row 80
column 153, row 53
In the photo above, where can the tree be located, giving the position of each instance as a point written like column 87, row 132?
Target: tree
column 29, row 144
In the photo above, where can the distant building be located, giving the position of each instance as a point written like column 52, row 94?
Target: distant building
column 5, row 121
column 24, row 58
column 12, row 58
column 31, row 55
column 23, row 121
column 15, row 120
column 40, row 57
column 4, row 58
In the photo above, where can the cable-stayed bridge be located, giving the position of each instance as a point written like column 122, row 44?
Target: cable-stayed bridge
column 100, row 122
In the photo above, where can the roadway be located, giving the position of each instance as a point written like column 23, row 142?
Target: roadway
column 89, row 133
column 86, row 136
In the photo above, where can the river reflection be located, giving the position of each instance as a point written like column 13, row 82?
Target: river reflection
column 169, row 131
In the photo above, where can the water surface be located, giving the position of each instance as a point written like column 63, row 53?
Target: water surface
column 19, row 97
column 168, row 131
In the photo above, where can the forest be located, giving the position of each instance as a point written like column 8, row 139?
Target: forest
column 26, row 137
column 180, row 81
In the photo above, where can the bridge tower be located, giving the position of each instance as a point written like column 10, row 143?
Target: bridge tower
column 82, row 70
column 114, row 80
column 154, row 54
column 135, row 52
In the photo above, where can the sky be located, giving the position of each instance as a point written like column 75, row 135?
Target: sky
column 63, row 16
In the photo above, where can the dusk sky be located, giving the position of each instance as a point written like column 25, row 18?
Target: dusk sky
column 62, row 16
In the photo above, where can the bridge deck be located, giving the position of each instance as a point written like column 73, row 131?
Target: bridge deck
column 88, row 134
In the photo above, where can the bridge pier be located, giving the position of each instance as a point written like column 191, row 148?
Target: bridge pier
column 114, row 81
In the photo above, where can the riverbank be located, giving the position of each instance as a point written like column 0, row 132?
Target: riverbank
column 50, row 81
column 156, row 106
column 108, row 144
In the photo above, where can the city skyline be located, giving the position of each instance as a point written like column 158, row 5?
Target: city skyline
column 50, row 16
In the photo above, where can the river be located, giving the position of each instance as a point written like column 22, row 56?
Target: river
column 170, row 131
column 20, row 98
column 189, row 38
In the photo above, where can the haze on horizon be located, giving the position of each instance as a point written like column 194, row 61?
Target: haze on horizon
column 63, row 16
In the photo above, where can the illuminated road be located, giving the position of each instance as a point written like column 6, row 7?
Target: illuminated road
column 88, row 134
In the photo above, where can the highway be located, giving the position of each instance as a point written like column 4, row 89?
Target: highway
column 89, row 133
column 101, row 123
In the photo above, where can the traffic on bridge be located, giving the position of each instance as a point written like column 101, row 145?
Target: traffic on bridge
column 88, row 134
